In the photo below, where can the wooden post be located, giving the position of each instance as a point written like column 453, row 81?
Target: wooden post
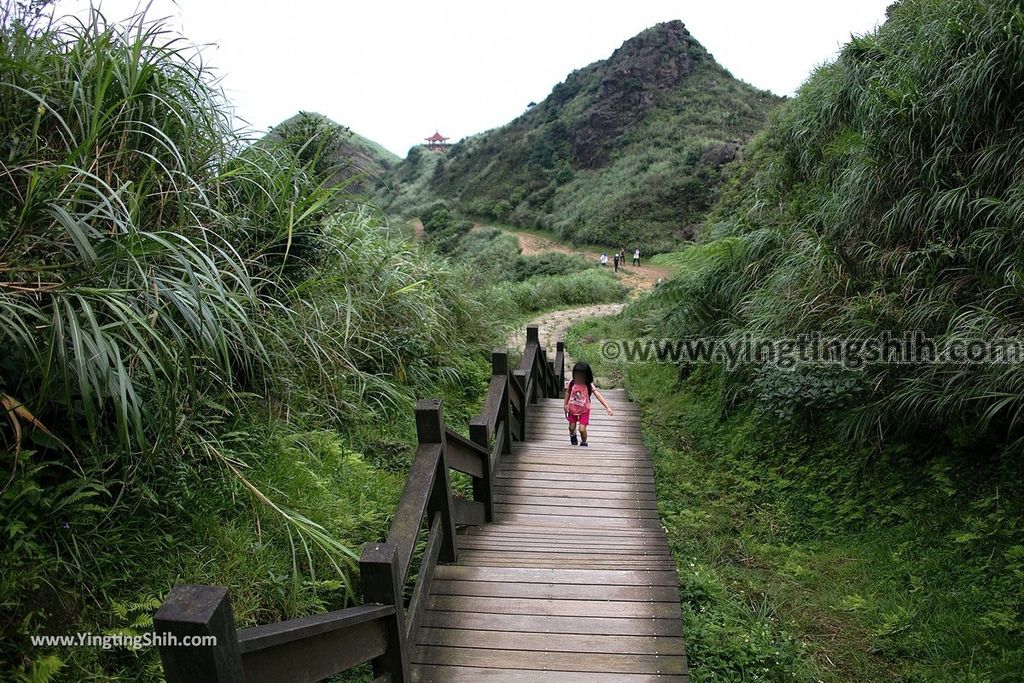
column 533, row 335
column 499, row 366
column 190, row 611
column 560, row 370
column 520, row 377
column 379, row 575
column 482, row 486
column 430, row 429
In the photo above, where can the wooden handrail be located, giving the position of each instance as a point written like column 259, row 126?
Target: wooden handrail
column 379, row 631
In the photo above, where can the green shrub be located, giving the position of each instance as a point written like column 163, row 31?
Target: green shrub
column 548, row 263
column 883, row 198
column 592, row 286
column 206, row 353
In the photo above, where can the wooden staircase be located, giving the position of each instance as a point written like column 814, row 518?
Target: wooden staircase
column 573, row 581
column 557, row 569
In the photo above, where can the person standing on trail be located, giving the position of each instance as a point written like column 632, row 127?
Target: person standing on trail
column 616, row 262
column 604, row 259
column 636, row 256
column 577, row 401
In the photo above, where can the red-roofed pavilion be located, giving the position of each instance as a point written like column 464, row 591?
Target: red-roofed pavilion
column 437, row 142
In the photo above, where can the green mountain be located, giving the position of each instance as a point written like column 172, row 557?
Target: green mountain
column 343, row 154
column 626, row 150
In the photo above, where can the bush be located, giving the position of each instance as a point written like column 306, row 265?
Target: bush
column 202, row 350
column 861, row 210
column 592, row 286
column 548, row 263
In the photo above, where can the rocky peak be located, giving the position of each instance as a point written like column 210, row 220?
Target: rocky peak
column 646, row 65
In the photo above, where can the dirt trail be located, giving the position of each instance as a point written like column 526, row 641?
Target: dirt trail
column 638, row 279
column 554, row 325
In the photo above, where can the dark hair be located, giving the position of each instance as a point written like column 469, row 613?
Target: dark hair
column 585, row 370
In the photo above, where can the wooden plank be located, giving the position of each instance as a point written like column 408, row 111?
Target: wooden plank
column 463, row 455
column 577, row 501
column 561, row 452
column 535, row 483
column 574, row 521
column 419, row 484
column 552, row 661
column 317, row 656
column 595, row 465
column 432, row 673
column 496, row 589
column 579, row 474
column 272, row 635
column 468, row 511
column 556, row 556
column 423, row 582
column 568, row 642
column 563, row 563
column 492, row 402
column 592, row 513
column 606, row 494
column 625, row 577
column 552, row 624
column 534, row 532
column 560, row 608
column 531, row 548
column 512, row 542
column 578, row 466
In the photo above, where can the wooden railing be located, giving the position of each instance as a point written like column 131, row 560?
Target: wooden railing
column 381, row 630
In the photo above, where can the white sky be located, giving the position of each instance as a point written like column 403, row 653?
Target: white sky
column 396, row 70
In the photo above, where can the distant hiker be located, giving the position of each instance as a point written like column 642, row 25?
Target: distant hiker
column 604, row 259
column 616, row 262
column 636, row 256
column 577, row 401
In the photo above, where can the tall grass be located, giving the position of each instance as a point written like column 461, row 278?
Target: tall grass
column 209, row 353
column 886, row 196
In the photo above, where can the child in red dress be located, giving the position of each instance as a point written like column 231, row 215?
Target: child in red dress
column 577, row 401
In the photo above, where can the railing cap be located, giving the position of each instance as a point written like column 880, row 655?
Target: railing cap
column 191, row 603
column 379, row 553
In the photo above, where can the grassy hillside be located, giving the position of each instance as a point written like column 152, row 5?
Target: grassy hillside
column 846, row 521
column 625, row 151
column 209, row 353
column 887, row 197
column 350, row 159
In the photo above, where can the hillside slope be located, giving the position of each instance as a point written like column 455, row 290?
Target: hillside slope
column 625, row 151
column 348, row 156
column 887, row 198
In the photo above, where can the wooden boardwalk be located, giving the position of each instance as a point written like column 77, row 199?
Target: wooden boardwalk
column 573, row 581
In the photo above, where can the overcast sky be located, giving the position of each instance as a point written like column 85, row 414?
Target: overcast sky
column 395, row 71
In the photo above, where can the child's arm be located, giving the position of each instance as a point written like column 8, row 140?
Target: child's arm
column 603, row 402
column 565, row 400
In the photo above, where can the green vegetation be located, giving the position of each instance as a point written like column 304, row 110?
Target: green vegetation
column 803, row 557
column 347, row 158
column 211, row 349
column 841, row 523
column 883, row 198
column 210, row 356
column 625, row 151
column 526, row 284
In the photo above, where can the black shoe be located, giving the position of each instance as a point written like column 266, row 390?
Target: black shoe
column 572, row 439
column 584, row 444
